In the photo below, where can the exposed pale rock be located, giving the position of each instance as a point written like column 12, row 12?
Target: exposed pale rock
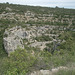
column 13, row 39
column 41, row 72
column 40, row 45
column 48, row 72
column 7, row 8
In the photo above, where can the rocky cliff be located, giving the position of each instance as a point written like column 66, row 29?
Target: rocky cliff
column 31, row 36
column 13, row 39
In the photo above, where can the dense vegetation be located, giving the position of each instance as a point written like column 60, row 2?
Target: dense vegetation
column 24, row 61
column 43, row 38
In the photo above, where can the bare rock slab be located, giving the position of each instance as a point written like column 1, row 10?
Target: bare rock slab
column 13, row 39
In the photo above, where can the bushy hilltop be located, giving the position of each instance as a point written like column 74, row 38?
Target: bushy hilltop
column 37, row 15
column 46, row 37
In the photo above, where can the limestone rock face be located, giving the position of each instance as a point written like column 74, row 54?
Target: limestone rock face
column 49, row 72
column 13, row 39
column 41, row 72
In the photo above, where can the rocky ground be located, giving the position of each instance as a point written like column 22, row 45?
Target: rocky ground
column 49, row 72
column 32, row 36
column 38, row 40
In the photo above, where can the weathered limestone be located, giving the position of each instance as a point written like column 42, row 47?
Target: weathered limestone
column 13, row 39
column 16, row 36
column 41, row 72
column 48, row 72
column 40, row 45
column 11, row 43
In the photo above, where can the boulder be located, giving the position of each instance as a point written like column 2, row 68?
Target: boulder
column 13, row 38
column 41, row 72
column 48, row 72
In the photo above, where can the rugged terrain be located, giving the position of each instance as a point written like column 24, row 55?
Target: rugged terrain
column 37, row 40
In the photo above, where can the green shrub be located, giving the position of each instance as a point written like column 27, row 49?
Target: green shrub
column 43, row 38
column 20, row 61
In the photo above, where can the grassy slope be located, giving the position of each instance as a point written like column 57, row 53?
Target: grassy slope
column 23, row 61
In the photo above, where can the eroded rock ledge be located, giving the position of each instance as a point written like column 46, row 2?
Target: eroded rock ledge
column 49, row 72
column 13, row 39
column 32, row 36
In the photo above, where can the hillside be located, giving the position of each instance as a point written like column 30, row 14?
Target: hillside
column 46, row 39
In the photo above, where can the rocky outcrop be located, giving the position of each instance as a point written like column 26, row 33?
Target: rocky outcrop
column 13, row 39
column 49, row 72
column 40, row 45
column 16, row 36
column 41, row 72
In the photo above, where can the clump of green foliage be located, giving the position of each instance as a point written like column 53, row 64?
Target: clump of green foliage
column 18, row 63
column 43, row 38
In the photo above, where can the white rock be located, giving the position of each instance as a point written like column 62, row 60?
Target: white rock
column 13, row 39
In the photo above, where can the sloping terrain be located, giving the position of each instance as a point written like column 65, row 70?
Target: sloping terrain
column 46, row 34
